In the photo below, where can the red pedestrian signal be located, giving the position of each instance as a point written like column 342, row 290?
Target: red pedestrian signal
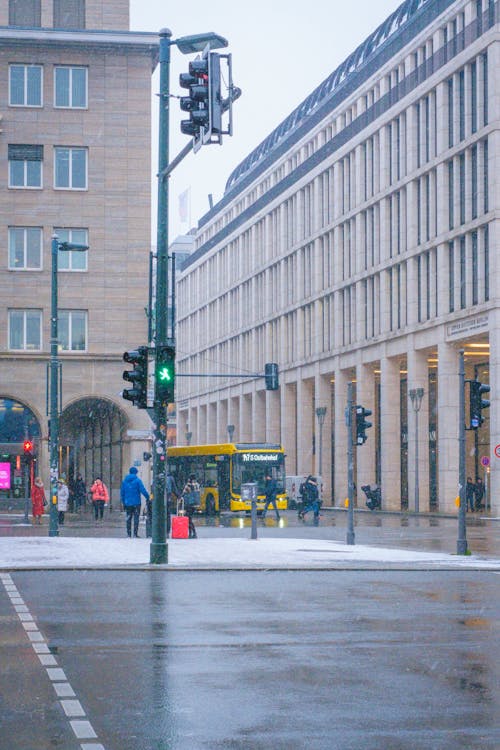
column 28, row 447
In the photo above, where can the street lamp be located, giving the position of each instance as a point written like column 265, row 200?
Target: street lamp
column 416, row 396
column 187, row 45
column 54, row 383
column 321, row 414
column 230, row 432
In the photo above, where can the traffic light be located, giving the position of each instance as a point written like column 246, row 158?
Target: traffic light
column 361, row 424
column 477, row 403
column 165, row 375
column 138, row 376
column 271, row 375
column 28, row 447
column 204, row 102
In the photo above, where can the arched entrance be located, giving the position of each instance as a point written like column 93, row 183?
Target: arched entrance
column 92, row 432
column 17, row 470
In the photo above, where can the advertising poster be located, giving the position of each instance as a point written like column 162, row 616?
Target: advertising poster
column 4, row 476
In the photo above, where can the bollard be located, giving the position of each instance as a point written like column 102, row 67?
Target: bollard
column 254, row 518
column 249, row 492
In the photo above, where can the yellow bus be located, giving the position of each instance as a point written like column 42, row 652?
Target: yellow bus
column 221, row 469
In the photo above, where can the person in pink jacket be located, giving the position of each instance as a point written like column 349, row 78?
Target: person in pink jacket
column 100, row 497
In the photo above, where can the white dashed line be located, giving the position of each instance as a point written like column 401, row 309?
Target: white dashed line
column 71, row 706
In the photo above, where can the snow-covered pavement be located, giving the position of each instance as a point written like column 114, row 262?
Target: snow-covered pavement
column 17, row 553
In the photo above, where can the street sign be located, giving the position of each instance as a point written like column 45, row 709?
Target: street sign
column 485, row 460
column 497, row 451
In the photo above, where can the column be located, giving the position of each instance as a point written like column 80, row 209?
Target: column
column 259, row 417
column 246, row 418
column 273, row 417
column 365, row 454
column 448, row 448
column 339, row 494
column 494, row 412
column 390, row 429
column 212, row 423
column 222, row 421
column 289, row 425
column 418, row 377
column 323, row 398
column 305, row 400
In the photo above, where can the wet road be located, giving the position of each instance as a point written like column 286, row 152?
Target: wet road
column 251, row 660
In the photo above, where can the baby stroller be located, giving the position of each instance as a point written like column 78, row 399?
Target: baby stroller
column 374, row 495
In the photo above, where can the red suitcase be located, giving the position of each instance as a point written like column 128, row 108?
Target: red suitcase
column 180, row 527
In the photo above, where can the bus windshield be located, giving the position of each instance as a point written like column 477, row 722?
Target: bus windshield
column 253, row 467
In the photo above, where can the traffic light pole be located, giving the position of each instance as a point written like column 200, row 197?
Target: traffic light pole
column 159, row 547
column 462, row 529
column 350, row 538
column 54, row 406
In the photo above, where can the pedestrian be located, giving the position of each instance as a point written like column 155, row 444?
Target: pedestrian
column 80, row 493
column 191, row 495
column 172, row 495
column 62, row 499
column 100, row 497
column 270, row 493
column 130, row 493
column 38, row 500
column 311, row 499
column 479, row 493
column 470, row 489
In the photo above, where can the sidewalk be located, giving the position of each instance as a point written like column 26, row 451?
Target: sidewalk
column 37, row 553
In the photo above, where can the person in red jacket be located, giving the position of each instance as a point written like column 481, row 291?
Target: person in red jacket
column 100, row 497
column 38, row 500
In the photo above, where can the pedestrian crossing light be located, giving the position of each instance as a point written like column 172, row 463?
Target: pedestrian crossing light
column 477, row 403
column 28, row 447
column 271, row 375
column 361, row 424
column 165, row 375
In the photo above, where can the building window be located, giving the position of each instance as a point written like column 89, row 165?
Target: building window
column 25, row 85
column 451, row 274
column 25, row 330
column 25, row 248
column 25, row 166
column 72, row 331
column 463, row 275
column 70, row 172
column 69, row 14
column 475, row 269
column 27, row 13
column 72, row 260
column 70, row 87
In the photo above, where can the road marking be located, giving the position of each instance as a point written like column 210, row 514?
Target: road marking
column 71, row 706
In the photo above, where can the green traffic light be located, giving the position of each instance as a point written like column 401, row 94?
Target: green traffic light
column 164, row 375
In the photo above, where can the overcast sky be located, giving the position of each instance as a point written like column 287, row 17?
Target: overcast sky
column 281, row 50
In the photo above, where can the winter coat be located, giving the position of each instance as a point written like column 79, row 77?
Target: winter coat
column 37, row 499
column 270, row 489
column 62, row 497
column 131, row 490
column 99, row 491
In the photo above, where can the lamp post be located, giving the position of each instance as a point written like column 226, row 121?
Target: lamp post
column 416, row 396
column 54, row 371
column 187, row 45
column 321, row 414
column 230, row 432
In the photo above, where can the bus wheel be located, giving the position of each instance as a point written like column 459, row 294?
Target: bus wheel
column 210, row 506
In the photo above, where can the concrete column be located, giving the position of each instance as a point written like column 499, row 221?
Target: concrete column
column 259, row 417
column 443, row 298
column 212, row 423
column 222, row 422
column 339, row 494
column 390, row 428
column 418, row 378
column 447, row 427
column 273, row 417
column 201, row 433
column 305, row 401
column 234, row 417
column 246, row 418
column 289, row 425
column 365, row 454
column 323, row 398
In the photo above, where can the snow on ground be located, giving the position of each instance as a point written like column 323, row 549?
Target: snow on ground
column 57, row 552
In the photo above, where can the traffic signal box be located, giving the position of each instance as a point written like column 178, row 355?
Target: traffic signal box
column 271, row 375
column 477, row 403
column 138, row 376
column 361, row 424
column 204, row 102
column 28, row 447
column 165, row 375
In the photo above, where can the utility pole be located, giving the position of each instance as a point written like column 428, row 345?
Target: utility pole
column 462, row 530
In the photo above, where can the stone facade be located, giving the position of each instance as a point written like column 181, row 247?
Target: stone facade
column 357, row 244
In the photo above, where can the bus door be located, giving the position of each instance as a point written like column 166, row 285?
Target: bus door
column 223, row 482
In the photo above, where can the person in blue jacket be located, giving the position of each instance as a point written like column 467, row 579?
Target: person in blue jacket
column 131, row 490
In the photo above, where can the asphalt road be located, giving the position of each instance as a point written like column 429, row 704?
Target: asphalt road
column 161, row 660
